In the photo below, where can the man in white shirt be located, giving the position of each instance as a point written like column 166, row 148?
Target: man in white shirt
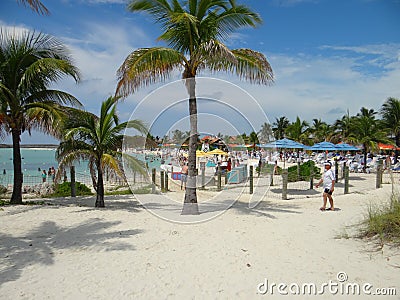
column 329, row 186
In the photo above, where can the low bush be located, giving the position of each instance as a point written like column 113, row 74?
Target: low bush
column 64, row 190
column 306, row 170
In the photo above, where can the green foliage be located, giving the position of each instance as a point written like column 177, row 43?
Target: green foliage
column 64, row 190
column 3, row 189
column 306, row 169
column 384, row 222
column 4, row 202
column 119, row 192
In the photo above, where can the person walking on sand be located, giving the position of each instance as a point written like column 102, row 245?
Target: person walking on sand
column 329, row 186
column 184, row 174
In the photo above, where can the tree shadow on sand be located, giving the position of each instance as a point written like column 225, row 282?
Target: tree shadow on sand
column 38, row 245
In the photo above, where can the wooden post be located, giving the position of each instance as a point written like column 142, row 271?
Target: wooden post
column 271, row 182
column 284, row 184
column 336, row 170
column 219, row 181
column 346, row 179
column 162, row 181
column 203, row 174
column 251, row 179
column 153, row 181
column 312, row 177
column 298, row 169
column 166, row 181
column 73, row 185
column 378, row 174
column 343, row 170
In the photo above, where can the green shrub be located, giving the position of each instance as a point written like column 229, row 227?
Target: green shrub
column 306, row 169
column 268, row 169
column 64, row 190
column 3, row 189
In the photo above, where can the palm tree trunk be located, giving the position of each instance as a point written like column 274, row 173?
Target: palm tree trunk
column 190, row 206
column 100, row 187
column 16, row 197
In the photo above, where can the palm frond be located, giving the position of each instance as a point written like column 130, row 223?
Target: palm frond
column 36, row 5
column 134, row 164
column 145, row 66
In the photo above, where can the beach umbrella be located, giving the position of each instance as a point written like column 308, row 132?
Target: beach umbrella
column 323, row 146
column 200, row 153
column 283, row 144
column 345, row 147
column 217, row 152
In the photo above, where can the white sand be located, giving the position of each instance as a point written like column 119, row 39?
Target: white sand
column 74, row 251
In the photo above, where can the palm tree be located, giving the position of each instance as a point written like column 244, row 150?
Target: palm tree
column 253, row 139
column 280, row 126
column 36, row 5
column 342, row 128
column 97, row 140
column 195, row 31
column 321, row 131
column 390, row 112
column 29, row 64
column 367, row 131
column 265, row 133
column 298, row 131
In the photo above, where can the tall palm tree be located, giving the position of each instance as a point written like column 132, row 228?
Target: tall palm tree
column 36, row 5
column 390, row 112
column 29, row 64
column 321, row 131
column 195, row 31
column 298, row 131
column 367, row 131
column 97, row 140
column 280, row 126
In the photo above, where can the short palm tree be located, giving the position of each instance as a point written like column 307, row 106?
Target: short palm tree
column 29, row 64
column 298, row 131
column 195, row 31
column 367, row 131
column 390, row 112
column 280, row 126
column 36, row 5
column 342, row 128
column 97, row 140
column 265, row 133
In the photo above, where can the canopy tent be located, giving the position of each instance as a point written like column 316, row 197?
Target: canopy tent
column 387, row 147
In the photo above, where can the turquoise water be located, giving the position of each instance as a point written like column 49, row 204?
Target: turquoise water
column 36, row 159
column 33, row 160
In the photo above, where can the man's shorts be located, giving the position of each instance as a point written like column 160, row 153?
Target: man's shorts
column 328, row 191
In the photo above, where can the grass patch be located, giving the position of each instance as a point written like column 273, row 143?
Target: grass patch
column 4, row 202
column 384, row 222
column 64, row 190
column 119, row 192
column 142, row 190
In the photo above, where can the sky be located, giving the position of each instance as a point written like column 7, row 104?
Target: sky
column 328, row 57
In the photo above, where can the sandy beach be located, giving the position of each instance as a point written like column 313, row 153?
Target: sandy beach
column 70, row 250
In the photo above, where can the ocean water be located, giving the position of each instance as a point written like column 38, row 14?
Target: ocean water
column 33, row 161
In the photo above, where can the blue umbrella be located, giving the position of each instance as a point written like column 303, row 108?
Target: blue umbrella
column 284, row 144
column 346, row 147
column 323, row 146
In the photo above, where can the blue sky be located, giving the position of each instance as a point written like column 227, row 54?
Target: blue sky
column 328, row 56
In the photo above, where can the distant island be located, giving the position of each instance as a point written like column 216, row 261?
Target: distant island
column 31, row 146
